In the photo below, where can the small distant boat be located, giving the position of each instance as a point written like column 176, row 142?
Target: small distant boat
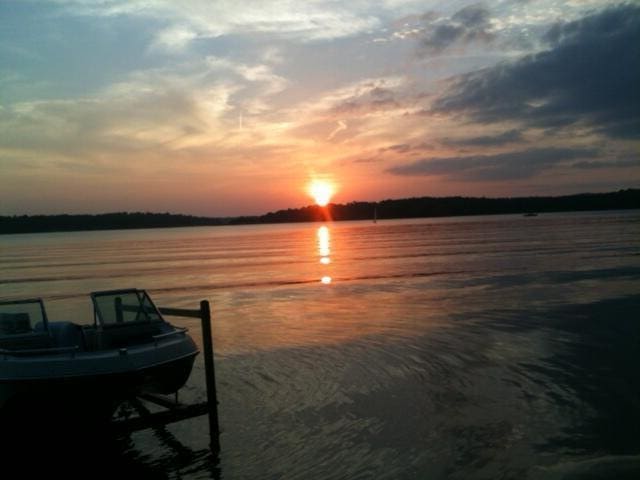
column 128, row 350
column 530, row 214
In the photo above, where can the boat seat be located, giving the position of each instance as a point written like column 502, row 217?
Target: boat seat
column 26, row 341
column 67, row 334
column 14, row 323
column 121, row 335
column 16, row 333
column 90, row 336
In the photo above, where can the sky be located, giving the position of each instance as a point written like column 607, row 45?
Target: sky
column 224, row 108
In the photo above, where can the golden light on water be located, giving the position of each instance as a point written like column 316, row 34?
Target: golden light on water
column 324, row 239
column 321, row 191
column 324, row 250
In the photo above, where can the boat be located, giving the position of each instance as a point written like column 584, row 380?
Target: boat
column 530, row 214
column 89, row 370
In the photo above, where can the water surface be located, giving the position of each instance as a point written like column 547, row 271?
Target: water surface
column 476, row 347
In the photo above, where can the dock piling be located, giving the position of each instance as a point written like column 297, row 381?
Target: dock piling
column 210, row 374
column 174, row 411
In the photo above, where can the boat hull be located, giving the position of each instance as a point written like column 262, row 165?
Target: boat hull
column 91, row 385
column 92, row 398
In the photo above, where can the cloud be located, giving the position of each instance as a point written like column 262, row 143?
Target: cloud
column 174, row 38
column 502, row 166
column 596, row 165
column 108, row 124
column 467, row 25
column 404, row 148
column 151, row 113
column 510, row 136
column 588, row 77
column 369, row 100
column 157, row 111
column 201, row 19
column 352, row 101
column 260, row 73
column 341, row 126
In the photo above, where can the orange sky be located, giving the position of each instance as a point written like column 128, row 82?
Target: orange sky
column 232, row 109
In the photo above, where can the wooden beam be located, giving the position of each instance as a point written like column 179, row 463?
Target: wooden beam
column 180, row 312
column 160, row 400
column 160, row 418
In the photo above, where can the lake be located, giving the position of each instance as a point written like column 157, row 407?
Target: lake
column 470, row 347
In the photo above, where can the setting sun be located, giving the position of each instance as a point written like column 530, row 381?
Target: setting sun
column 321, row 191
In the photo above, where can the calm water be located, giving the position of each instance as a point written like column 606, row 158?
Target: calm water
column 480, row 347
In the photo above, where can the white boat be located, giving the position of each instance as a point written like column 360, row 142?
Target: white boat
column 128, row 350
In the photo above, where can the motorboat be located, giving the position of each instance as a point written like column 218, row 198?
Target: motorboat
column 128, row 350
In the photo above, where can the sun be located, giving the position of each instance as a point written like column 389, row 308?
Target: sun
column 321, row 191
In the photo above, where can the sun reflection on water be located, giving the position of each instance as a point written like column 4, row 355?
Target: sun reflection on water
column 324, row 250
column 324, row 239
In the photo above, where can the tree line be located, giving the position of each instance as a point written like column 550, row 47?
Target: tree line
column 385, row 209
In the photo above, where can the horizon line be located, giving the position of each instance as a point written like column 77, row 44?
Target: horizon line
column 133, row 212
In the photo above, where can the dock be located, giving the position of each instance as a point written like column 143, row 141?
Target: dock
column 171, row 409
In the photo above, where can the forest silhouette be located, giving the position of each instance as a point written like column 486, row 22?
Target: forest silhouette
column 385, row 209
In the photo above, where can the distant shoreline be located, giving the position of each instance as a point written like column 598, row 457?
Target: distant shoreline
column 422, row 207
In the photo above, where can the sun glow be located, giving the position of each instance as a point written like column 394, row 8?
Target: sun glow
column 321, row 191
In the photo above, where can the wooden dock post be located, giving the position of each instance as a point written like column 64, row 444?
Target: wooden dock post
column 210, row 375
column 174, row 411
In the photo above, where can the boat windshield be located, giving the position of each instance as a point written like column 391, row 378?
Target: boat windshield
column 21, row 317
column 124, row 307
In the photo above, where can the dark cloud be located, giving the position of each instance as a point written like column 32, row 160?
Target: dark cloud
column 374, row 99
column 588, row 77
column 469, row 24
column 510, row 136
column 397, row 148
column 502, row 166
column 406, row 148
column 598, row 164
column 376, row 159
